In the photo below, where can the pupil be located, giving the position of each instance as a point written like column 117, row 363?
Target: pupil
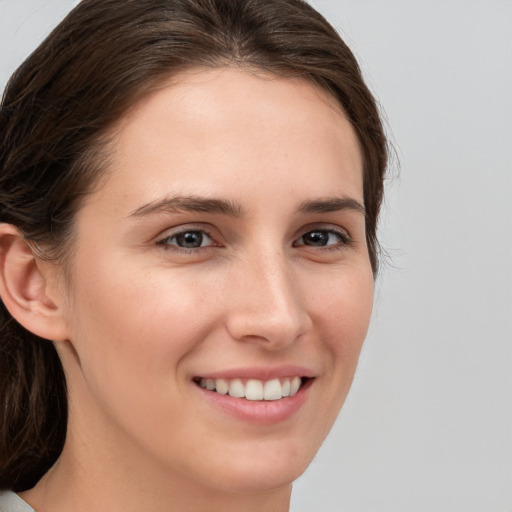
column 190, row 240
column 316, row 238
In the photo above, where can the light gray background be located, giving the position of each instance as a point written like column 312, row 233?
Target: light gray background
column 428, row 424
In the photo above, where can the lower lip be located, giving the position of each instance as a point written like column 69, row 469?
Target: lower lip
column 260, row 412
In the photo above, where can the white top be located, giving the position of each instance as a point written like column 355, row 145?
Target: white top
column 11, row 502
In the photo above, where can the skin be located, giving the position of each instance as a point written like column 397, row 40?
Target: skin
column 140, row 318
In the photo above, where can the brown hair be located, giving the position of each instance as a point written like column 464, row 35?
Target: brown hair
column 57, row 110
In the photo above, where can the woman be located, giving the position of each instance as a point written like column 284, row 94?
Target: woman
column 189, row 199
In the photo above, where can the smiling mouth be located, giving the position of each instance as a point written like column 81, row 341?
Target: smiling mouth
column 254, row 389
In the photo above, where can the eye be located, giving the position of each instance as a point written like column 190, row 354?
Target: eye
column 323, row 238
column 190, row 239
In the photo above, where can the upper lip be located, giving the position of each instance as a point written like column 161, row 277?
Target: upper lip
column 260, row 373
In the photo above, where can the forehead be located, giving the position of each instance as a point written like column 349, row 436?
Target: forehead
column 206, row 129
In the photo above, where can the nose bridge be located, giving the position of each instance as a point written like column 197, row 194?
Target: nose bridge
column 268, row 306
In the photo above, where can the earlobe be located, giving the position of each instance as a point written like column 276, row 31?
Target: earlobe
column 24, row 287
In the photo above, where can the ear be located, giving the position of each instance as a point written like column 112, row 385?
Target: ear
column 27, row 285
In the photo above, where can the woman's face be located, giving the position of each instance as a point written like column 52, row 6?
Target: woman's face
column 225, row 247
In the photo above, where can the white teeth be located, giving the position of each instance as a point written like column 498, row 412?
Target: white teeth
column 286, row 387
column 294, row 385
column 254, row 389
column 236, row 388
column 272, row 390
column 221, row 386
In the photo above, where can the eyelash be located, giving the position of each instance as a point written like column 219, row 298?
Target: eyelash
column 164, row 242
column 344, row 240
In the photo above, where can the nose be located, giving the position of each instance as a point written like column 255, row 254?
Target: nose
column 267, row 307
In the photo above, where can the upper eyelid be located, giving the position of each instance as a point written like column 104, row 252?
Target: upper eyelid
column 345, row 238
column 178, row 233
column 323, row 226
column 184, row 228
column 338, row 231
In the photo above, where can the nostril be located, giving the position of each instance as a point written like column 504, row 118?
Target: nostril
column 269, row 329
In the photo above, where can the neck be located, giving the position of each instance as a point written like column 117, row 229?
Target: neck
column 92, row 476
column 69, row 485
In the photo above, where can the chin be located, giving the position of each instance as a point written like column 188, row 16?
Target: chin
column 267, row 468
column 257, row 480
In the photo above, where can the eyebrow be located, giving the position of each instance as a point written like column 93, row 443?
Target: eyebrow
column 190, row 204
column 200, row 204
column 332, row 204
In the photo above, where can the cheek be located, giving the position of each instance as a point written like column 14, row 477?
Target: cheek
column 344, row 306
column 344, row 314
column 132, row 332
column 135, row 330
column 132, row 313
